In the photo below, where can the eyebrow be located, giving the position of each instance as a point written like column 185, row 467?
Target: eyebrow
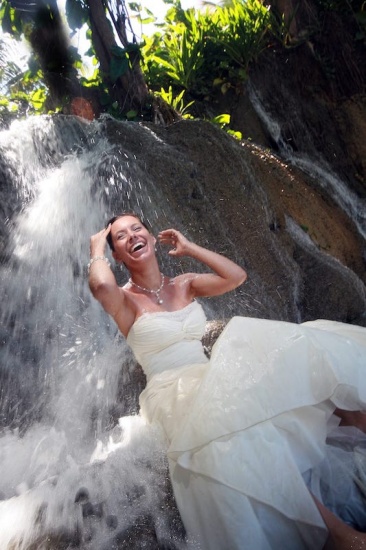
column 122, row 231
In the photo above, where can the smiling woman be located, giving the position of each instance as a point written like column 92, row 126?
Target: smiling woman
column 248, row 479
column 147, row 289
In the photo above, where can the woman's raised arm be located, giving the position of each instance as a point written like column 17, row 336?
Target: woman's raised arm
column 102, row 281
column 227, row 274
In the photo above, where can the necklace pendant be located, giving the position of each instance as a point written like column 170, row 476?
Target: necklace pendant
column 149, row 290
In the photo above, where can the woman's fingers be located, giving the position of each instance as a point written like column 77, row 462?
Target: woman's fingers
column 102, row 233
column 99, row 239
column 175, row 239
column 169, row 236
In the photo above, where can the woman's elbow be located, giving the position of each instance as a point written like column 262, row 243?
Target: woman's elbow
column 241, row 277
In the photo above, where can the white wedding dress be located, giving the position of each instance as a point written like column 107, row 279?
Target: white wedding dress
column 246, row 429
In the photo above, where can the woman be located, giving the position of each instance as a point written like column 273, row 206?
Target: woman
column 246, row 428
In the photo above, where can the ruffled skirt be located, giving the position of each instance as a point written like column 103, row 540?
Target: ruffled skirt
column 248, row 432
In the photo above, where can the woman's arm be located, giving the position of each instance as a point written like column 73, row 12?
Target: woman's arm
column 102, row 281
column 227, row 274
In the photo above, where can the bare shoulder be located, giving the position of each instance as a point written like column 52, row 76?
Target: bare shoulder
column 184, row 279
column 182, row 285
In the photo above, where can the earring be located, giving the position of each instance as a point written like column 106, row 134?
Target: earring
column 119, row 267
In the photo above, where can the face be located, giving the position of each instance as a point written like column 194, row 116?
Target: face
column 131, row 240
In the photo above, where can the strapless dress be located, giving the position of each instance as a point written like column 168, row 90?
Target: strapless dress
column 247, row 429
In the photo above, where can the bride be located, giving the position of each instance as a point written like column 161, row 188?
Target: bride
column 246, row 430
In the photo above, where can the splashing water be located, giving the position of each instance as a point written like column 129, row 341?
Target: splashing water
column 67, row 478
column 79, row 467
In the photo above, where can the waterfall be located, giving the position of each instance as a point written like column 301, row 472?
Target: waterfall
column 79, row 467
column 311, row 162
column 67, row 476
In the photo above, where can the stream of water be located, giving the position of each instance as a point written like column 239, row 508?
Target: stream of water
column 79, row 467
column 314, row 165
column 67, row 478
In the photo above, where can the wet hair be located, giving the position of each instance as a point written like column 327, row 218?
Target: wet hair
column 122, row 215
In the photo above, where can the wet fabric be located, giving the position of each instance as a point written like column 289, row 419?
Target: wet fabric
column 247, row 429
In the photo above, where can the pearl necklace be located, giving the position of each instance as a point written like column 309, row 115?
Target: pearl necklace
column 156, row 292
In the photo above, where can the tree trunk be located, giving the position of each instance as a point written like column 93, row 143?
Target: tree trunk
column 130, row 90
column 51, row 46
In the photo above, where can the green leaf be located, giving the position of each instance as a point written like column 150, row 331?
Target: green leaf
column 131, row 115
column 118, row 67
column 118, row 52
column 10, row 20
column 147, row 20
column 236, row 134
column 38, row 98
column 77, row 13
column 222, row 119
column 6, row 19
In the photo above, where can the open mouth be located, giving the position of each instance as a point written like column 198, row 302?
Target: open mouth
column 137, row 246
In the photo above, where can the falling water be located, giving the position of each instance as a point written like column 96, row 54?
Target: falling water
column 79, row 467
column 67, row 477
column 314, row 165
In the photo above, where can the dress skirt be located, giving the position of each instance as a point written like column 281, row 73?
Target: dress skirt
column 247, row 431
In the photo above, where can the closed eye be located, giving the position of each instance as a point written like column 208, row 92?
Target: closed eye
column 122, row 234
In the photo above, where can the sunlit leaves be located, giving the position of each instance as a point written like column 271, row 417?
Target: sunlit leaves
column 192, row 55
column 223, row 121
column 176, row 101
column 243, row 30
column 181, row 52
column 38, row 98
column 195, row 48
column 10, row 20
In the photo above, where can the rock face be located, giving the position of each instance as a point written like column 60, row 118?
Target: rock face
column 246, row 202
column 305, row 101
column 314, row 88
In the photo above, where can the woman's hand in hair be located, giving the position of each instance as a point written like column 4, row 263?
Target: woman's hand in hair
column 98, row 242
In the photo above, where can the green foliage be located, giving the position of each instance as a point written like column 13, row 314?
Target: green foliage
column 193, row 49
column 243, row 30
column 193, row 54
column 22, row 90
column 176, row 102
column 181, row 53
column 77, row 13
column 10, row 20
column 223, row 121
column 119, row 63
